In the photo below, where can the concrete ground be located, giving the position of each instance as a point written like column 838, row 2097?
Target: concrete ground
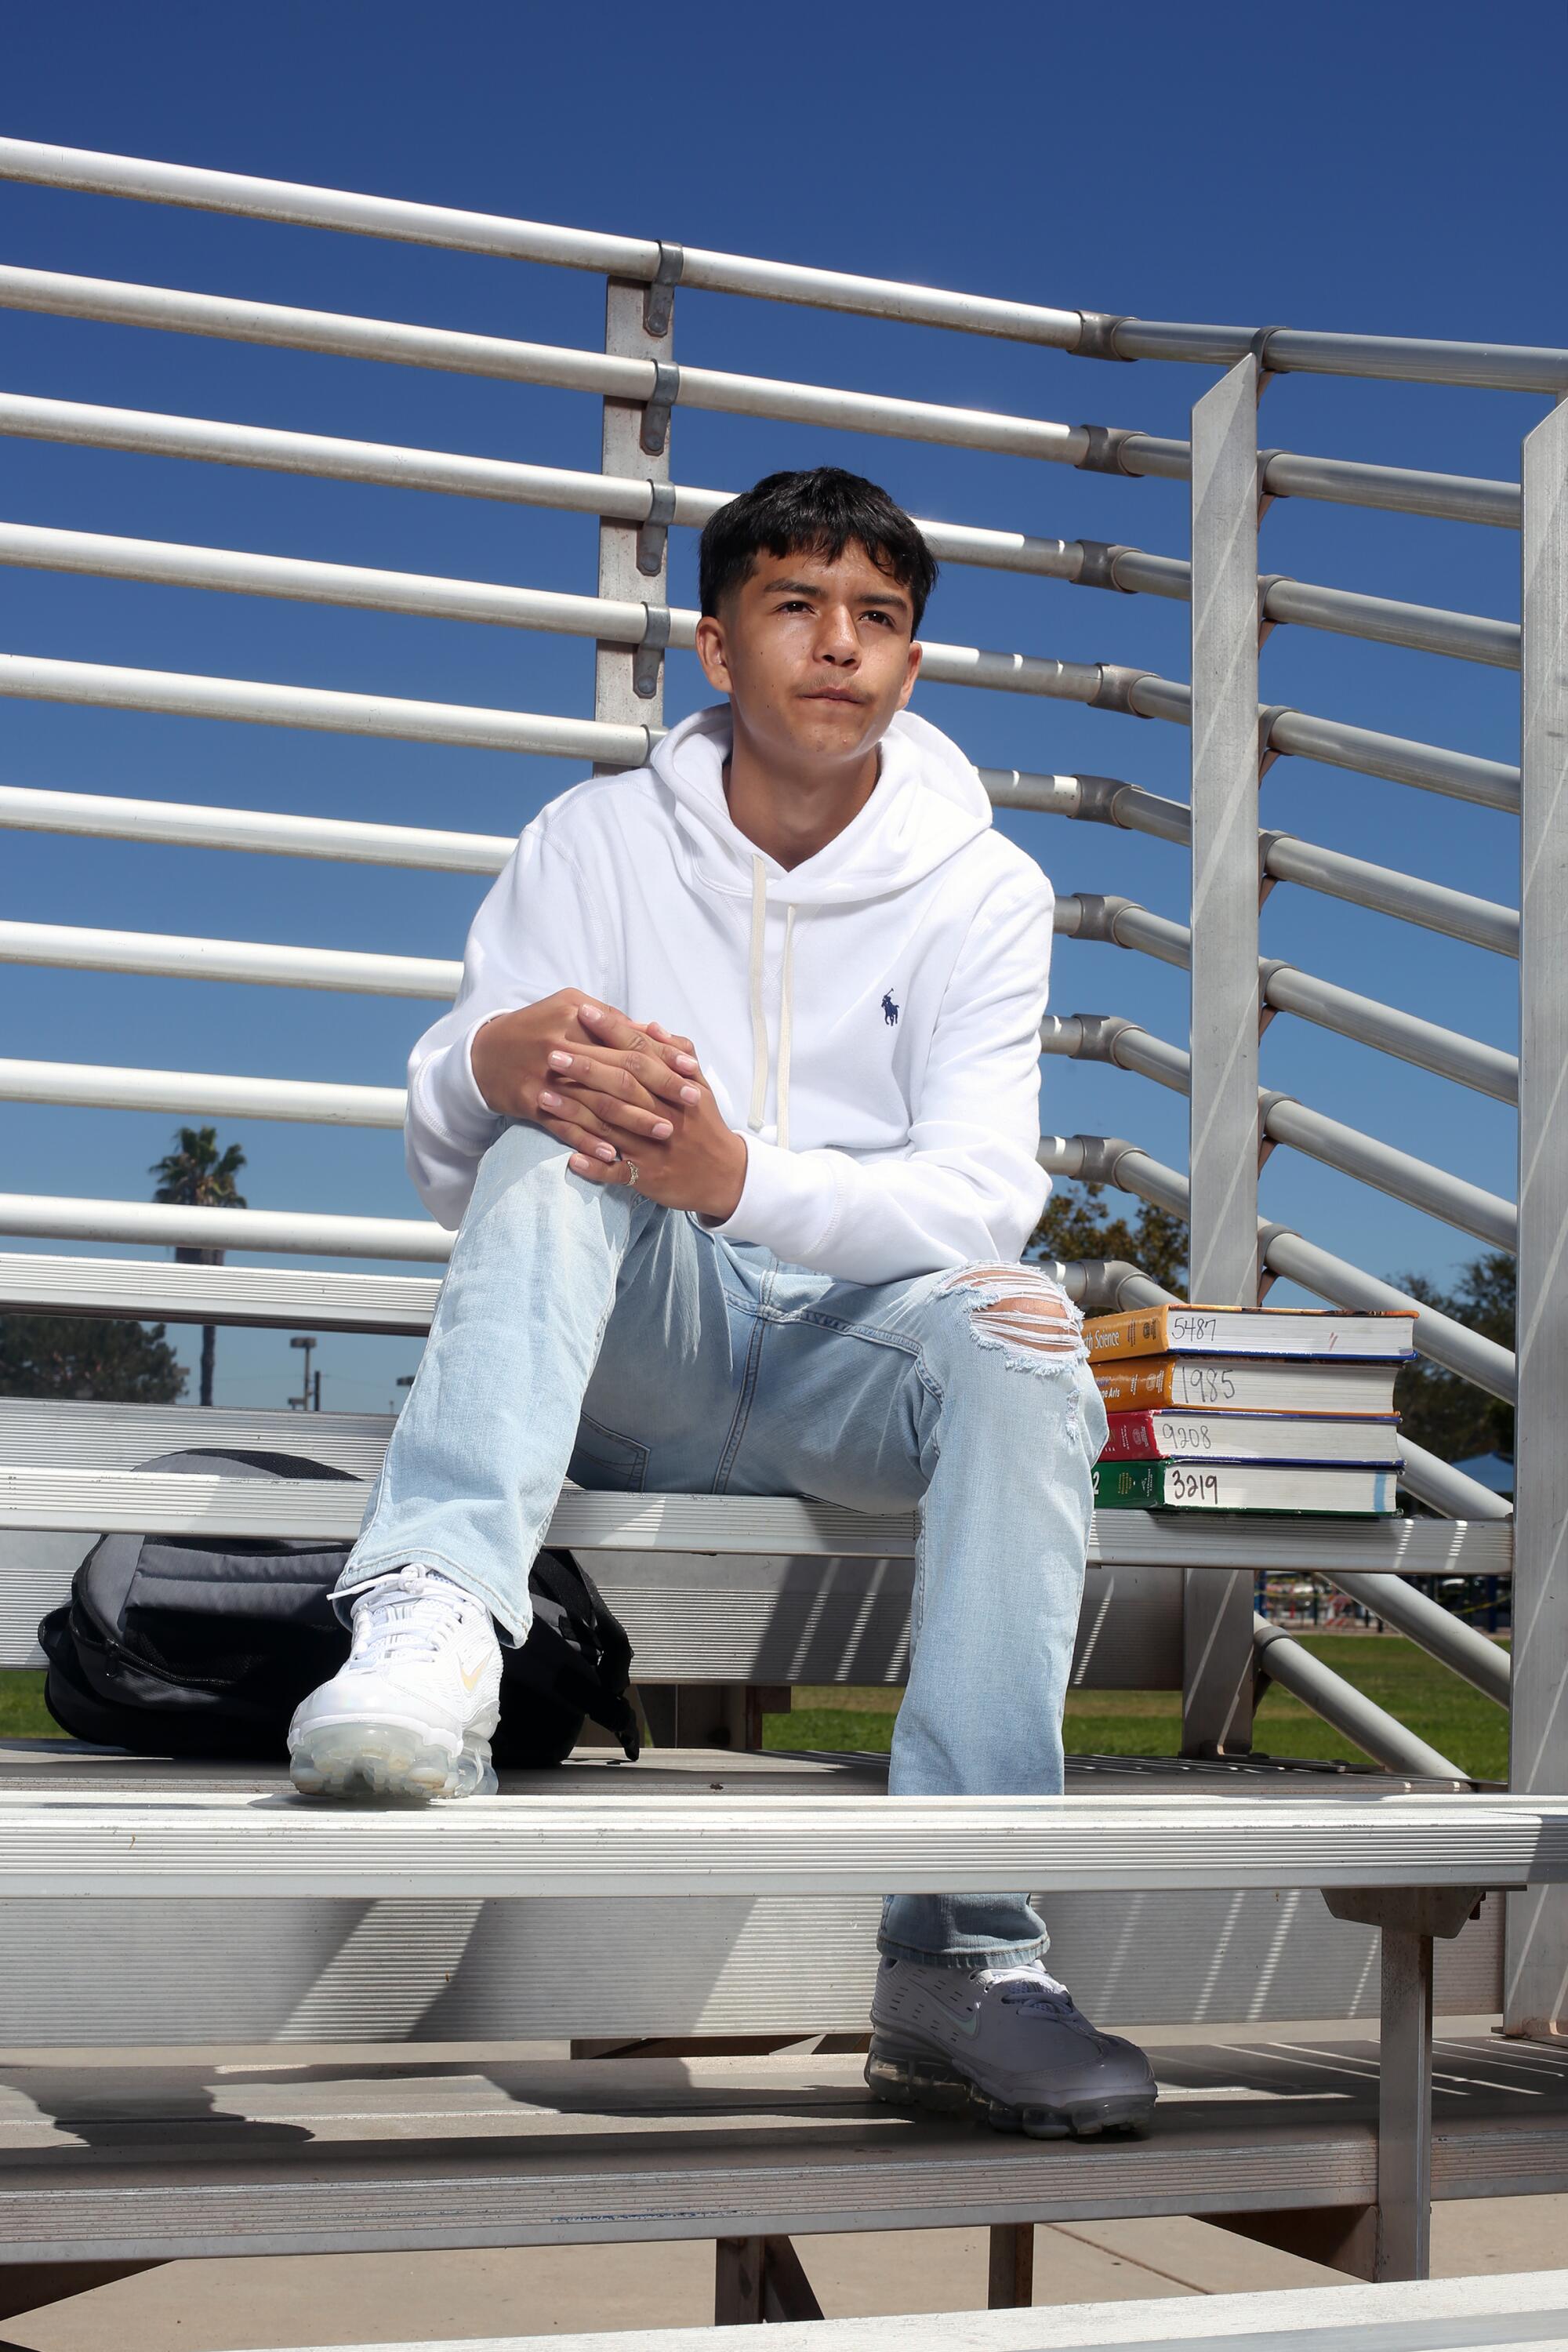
column 358, row 2299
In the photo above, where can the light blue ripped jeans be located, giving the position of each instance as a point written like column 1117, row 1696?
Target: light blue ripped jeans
column 582, row 1330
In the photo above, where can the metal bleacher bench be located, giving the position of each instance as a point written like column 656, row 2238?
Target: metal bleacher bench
column 1524, row 2308
column 709, row 1892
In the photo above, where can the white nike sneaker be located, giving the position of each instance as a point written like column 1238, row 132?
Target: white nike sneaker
column 411, row 1711
column 1006, row 2041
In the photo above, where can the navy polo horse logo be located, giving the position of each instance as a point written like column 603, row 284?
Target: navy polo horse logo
column 890, row 1011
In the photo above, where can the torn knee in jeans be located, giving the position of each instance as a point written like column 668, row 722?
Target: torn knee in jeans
column 1016, row 1306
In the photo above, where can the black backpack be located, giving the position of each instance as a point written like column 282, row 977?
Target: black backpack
column 171, row 1646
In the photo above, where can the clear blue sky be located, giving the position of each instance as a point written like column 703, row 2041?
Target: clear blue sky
column 1390, row 168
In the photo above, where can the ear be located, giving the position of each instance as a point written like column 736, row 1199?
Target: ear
column 711, row 654
column 912, row 671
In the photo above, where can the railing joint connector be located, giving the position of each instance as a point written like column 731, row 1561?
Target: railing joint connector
column 1259, row 347
column 1266, row 497
column 1098, row 1033
column 1097, row 798
column 1098, row 911
column 1114, row 692
column 648, row 657
column 1266, row 623
column 653, row 531
column 666, row 391
column 1268, row 719
column 1102, row 1155
column 1106, row 443
column 1097, row 335
column 658, row 297
column 1098, row 569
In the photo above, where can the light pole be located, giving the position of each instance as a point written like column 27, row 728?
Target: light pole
column 302, row 1404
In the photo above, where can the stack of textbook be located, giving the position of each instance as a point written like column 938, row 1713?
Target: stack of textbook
column 1284, row 1409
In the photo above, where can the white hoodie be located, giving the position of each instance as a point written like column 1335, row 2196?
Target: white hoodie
column 868, row 1019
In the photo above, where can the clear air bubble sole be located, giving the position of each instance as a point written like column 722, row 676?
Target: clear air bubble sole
column 908, row 2078
column 364, row 1759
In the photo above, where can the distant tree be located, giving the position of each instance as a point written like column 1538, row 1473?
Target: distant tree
column 1078, row 1224
column 1445, row 1414
column 195, row 1177
column 93, row 1355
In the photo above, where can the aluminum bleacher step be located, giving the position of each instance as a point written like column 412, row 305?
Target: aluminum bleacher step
column 1525, row 2308
column 158, row 2162
column 278, row 1969
column 240, row 1846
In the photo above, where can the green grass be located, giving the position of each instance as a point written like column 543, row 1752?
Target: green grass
column 1447, row 1713
column 23, row 1715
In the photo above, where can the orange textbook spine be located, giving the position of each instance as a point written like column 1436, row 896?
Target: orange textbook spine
column 1131, row 1388
column 1137, row 1331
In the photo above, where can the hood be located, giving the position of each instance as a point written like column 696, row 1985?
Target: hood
column 928, row 801
column 927, row 804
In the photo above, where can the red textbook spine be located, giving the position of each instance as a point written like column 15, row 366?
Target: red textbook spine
column 1132, row 1438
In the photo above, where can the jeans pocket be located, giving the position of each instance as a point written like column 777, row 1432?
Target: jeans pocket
column 603, row 1458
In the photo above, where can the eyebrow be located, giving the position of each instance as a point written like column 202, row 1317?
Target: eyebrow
column 814, row 588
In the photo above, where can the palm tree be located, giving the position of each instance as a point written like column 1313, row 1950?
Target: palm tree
column 195, row 1177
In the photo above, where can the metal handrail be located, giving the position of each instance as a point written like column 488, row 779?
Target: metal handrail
column 274, row 833
column 78, row 948
column 1287, row 988
column 1283, row 473
column 1399, row 358
column 1111, row 1159
column 515, row 240
column 1286, row 857
column 1382, row 1736
column 1457, row 775
column 330, row 457
column 1102, row 1037
column 305, row 1233
column 1447, row 1490
column 608, row 620
column 1342, row 612
column 185, row 693
column 400, row 343
column 209, row 1094
column 1468, row 637
column 35, row 809
column 1092, row 333
column 1100, row 685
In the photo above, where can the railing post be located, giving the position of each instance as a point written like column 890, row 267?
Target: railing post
column 1225, row 1133
column 628, row 690
column 1536, row 1962
column 640, row 323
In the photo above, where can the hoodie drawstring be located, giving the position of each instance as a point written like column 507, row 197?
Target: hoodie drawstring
column 760, row 1056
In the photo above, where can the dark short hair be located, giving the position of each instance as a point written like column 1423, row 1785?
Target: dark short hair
column 820, row 512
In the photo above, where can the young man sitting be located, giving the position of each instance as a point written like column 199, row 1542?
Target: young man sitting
column 764, row 1243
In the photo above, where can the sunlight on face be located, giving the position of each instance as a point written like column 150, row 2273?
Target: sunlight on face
column 816, row 656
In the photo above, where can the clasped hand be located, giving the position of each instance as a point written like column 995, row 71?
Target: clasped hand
column 613, row 1090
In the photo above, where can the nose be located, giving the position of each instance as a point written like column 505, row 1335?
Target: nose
column 836, row 639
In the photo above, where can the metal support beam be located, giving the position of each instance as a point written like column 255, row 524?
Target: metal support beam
column 1225, row 1130
column 1010, row 2269
column 1405, row 2107
column 633, row 559
column 1406, row 1920
column 759, row 2279
column 1536, row 1971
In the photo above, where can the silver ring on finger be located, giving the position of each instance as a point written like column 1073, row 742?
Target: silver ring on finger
column 633, row 1170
